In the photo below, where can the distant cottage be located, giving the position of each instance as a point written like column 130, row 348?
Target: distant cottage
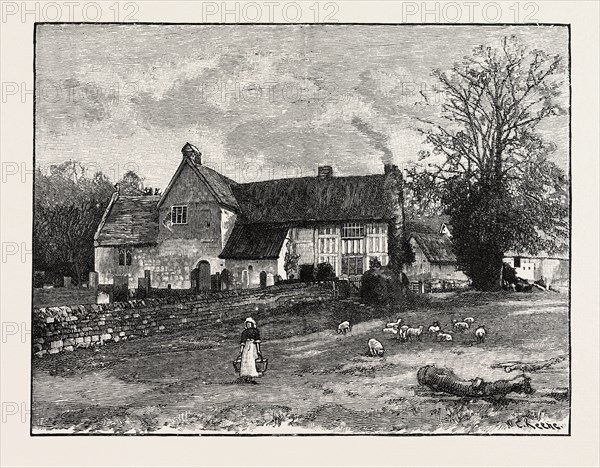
column 206, row 224
column 430, row 239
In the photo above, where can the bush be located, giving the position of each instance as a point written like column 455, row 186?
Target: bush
column 324, row 272
column 307, row 273
column 381, row 286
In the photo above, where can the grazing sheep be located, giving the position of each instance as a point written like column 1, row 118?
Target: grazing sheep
column 390, row 331
column 375, row 348
column 395, row 324
column 480, row 334
column 344, row 327
column 414, row 333
column 441, row 336
column 469, row 320
column 460, row 326
column 402, row 332
column 434, row 329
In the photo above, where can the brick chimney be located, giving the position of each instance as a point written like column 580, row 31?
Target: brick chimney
column 190, row 151
column 387, row 168
column 325, row 172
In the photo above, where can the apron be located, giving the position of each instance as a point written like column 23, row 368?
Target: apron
column 249, row 356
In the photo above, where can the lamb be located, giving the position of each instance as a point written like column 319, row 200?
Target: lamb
column 434, row 329
column 413, row 333
column 344, row 327
column 402, row 332
column 390, row 331
column 441, row 336
column 469, row 320
column 395, row 324
column 375, row 348
column 480, row 334
column 460, row 326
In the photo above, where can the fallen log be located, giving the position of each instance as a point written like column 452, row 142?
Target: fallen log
column 445, row 380
column 528, row 366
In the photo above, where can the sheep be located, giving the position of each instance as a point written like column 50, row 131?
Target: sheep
column 413, row 333
column 375, row 348
column 469, row 320
column 344, row 327
column 434, row 329
column 442, row 336
column 395, row 324
column 402, row 332
column 390, row 331
column 460, row 326
column 480, row 334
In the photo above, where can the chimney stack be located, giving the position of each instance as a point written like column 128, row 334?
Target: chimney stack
column 190, row 151
column 387, row 168
column 325, row 172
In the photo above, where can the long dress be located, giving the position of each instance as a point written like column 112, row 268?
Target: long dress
column 250, row 337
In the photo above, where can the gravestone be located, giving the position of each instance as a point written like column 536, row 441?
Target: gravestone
column 93, row 279
column 67, row 282
column 142, row 289
column 270, row 279
column 120, row 288
column 102, row 298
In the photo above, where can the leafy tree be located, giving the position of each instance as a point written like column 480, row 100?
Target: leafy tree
column 69, row 204
column 490, row 169
column 131, row 184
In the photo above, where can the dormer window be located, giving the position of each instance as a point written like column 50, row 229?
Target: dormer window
column 179, row 214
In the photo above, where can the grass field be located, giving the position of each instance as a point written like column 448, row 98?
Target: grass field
column 317, row 381
column 63, row 296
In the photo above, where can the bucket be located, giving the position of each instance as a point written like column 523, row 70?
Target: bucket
column 261, row 365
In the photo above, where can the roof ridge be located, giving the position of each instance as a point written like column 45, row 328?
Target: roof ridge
column 310, row 178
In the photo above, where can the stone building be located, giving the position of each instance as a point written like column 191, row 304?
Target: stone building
column 207, row 231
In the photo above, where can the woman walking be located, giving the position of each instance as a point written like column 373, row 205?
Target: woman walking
column 249, row 351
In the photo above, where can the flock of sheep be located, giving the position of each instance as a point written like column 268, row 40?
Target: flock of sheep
column 405, row 333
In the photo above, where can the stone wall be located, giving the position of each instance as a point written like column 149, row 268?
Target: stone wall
column 66, row 328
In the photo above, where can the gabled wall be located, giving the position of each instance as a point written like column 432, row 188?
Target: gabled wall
column 180, row 246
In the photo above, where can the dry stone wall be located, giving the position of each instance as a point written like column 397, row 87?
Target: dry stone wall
column 67, row 328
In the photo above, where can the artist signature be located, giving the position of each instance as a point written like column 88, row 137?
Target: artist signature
column 524, row 423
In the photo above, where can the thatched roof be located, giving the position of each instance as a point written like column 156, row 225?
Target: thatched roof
column 129, row 220
column 428, row 224
column 436, row 247
column 314, row 199
column 254, row 242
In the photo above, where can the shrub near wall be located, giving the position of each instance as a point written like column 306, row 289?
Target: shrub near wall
column 66, row 328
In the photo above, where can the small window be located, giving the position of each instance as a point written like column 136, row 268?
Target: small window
column 353, row 230
column 179, row 214
column 124, row 257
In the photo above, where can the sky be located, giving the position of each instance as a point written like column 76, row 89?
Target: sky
column 260, row 102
